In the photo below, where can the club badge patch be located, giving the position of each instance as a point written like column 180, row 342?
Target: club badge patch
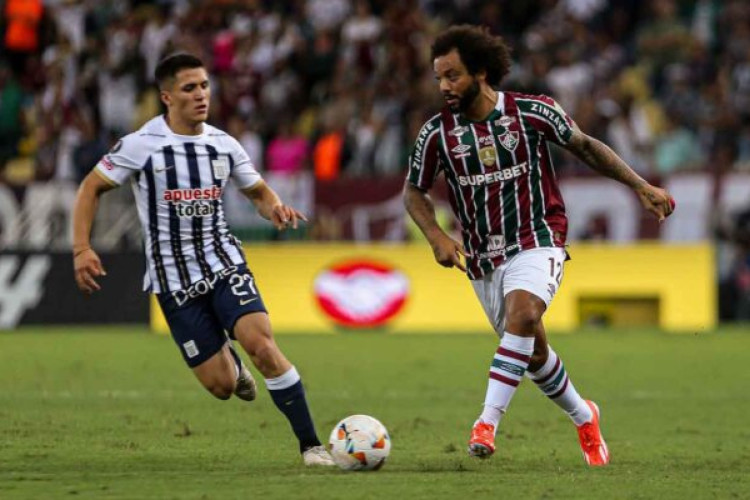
column 488, row 156
column 221, row 169
column 509, row 140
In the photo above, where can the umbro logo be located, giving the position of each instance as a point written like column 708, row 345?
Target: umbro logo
column 458, row 131
column 505, row 121
column 461, row 151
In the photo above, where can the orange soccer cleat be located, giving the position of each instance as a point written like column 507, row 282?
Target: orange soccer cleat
column 594, row 448
column 482, row 441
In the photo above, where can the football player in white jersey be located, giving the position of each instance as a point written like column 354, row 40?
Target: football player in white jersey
column 178, row 167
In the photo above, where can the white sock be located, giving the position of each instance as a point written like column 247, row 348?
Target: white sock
column 283, row 381
column 506, row 372
column 553, row 381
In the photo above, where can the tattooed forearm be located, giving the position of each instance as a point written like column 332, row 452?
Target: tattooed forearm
column 601, row 158
column 420, row 207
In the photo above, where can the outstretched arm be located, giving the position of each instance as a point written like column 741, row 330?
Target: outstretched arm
column 420, row 207
column 602, row 159
column 86, row 262
column 270, row 207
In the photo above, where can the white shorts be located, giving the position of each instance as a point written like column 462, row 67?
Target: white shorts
column 538, row 271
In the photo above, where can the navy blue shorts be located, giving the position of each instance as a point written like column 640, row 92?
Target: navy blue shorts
column 201, row 316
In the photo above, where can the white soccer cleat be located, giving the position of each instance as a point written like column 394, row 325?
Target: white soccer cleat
column 317, row 455
column 246, row 387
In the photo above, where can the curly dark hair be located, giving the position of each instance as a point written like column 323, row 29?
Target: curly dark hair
column 479, row 50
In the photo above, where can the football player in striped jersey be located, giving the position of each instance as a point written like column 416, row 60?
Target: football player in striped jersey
column 178, row 167
column 493, row 149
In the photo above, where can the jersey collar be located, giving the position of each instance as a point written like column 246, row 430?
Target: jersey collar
column 496, row 113
column 164, row 126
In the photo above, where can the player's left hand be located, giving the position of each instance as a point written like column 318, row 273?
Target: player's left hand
column 284, row 216
column 656, row 200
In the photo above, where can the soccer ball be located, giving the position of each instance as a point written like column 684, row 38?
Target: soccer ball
column 359, row 442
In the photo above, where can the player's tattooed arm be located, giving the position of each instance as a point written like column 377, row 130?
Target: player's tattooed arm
column 602, row 159
column 447, row 251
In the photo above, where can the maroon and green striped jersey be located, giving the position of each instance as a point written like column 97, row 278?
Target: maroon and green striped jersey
column 501, row 181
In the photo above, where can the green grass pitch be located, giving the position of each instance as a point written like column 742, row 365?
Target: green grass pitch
column 113, row 413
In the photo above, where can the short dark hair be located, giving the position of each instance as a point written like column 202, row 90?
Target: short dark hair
column 479, row 50
column 173, row 64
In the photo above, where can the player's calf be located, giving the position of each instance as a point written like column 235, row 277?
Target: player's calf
column 540, row 354
column 218, row 374
column 221, row 390
column 253, row 331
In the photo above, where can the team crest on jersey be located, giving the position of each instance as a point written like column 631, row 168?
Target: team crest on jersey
column 221, row 169
column 505, row 121
column 458, row 131
column 509, row 140
column 487, row 155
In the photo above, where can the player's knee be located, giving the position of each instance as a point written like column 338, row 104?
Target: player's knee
column 264, row 350
column 269, row 360
column 523, row 320
column 262, row 345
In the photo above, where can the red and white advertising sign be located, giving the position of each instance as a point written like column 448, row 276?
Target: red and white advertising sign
column 361, row 293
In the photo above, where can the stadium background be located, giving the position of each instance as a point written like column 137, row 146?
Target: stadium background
column 327, row 97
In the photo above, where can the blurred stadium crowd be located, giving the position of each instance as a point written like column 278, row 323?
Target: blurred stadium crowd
column 339, row 88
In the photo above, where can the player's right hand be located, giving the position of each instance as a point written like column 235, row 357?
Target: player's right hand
column 448, row 252
column 87, row 266
column 284, row 216
column 656, row 200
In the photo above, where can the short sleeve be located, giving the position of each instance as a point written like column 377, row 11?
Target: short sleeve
column 119, row 164
column 547, row 117
column 424, row 160
column 243, row 171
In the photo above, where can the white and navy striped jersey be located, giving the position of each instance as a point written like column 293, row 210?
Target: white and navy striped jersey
column 178, row 181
